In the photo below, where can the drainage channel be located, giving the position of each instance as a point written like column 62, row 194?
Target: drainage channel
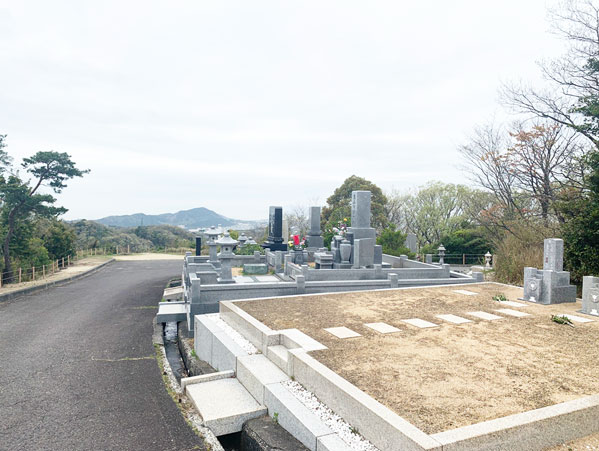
column 230, row 442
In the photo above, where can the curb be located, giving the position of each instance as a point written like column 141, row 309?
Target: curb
column 33, row 289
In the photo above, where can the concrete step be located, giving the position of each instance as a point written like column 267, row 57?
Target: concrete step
column 224, row 405
column 171, row 311
column 173, row 294
column 279, row 355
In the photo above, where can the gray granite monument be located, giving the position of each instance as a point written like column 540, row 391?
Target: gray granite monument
column 590, row 295
column 314, row 238
column 275, row 230
column 551, row 285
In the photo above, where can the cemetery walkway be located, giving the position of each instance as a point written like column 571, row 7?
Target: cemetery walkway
column 77, row 366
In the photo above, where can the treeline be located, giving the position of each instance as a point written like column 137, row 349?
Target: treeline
column 91, row 235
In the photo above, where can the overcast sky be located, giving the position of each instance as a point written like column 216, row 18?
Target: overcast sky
column 238, row 105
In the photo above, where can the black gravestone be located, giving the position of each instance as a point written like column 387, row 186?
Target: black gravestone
column 275, row 230
column 198, row 245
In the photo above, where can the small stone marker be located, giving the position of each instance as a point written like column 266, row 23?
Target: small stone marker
column 419, row 323
column 382, row 328
column 453, row 319
column 509, row 311
column 342, row 332
column 577, row 319
column 267, row 279
column 485, row 316
column 466, row 292
column 513, row 304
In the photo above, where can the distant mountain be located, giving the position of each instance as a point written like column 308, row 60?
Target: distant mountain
column 190, row 219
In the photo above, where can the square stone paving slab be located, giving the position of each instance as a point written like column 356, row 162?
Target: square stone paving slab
column 513, row 304
column 342, row 332
column 382, row 328
column 466, row 292
column 454, row 319
column 578, row 319
column 243, row 279
column 516, row 313
column 267, row 279
column 224, row 405
column 484, row 315
column 420, row 323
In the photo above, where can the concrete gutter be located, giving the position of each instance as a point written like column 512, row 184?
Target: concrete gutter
column 28, row 290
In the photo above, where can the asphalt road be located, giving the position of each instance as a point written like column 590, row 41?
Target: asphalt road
column 77, row 367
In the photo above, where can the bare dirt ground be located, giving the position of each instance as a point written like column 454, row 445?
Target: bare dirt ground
column 454, row 375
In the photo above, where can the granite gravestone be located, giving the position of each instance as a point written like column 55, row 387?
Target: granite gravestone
column 198, row 245
column 590, row 295
column 551, row 285
column 275, row 230
column 412, row 243
column 314, row 240
column 362, row 251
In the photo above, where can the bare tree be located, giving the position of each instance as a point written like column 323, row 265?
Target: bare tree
column 526, row 169
column 572, row 97
column 298, row 219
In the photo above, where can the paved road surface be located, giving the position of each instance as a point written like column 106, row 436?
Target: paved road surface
column 67, row 378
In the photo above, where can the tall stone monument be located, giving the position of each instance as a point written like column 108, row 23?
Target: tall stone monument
column 551, row 285
column 590, row 295
column 314, row 238
column 360, row 235
column 275, row 240
column 412, row 243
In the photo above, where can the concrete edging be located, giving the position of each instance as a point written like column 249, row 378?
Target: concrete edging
column 28, row 290
column 530, row 430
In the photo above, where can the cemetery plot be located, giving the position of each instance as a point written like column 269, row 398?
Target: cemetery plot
column 452, row 375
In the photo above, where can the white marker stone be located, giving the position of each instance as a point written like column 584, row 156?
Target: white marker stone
column 509, row 311
column 466, row 292
column 243, row 279
column 513, row 304
column 342, row 332
column 454, row 319
column 419, row 323
column 382, row 328
column 485, row 316
column 578, row 319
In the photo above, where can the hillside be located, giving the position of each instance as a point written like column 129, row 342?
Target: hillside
column 191, row 219
column 91, row 234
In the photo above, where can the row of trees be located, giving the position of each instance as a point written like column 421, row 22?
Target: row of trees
column 533, row 178
column 30, row 231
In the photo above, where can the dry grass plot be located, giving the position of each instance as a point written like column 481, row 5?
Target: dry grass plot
column 444, row 377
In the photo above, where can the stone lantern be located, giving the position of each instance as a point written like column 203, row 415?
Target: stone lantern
column 441, row 249
column 251, row 241
column 212, row 235
column 488, row 257
column 226, row 257
column 242, row 240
